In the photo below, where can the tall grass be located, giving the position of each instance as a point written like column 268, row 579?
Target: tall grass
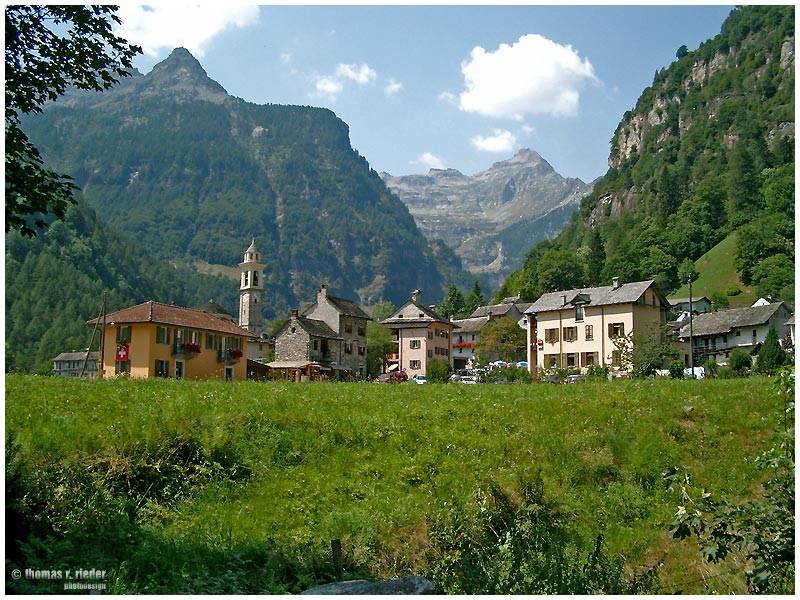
column 212, row 487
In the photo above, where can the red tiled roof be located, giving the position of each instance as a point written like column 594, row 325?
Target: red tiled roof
column 165, row 314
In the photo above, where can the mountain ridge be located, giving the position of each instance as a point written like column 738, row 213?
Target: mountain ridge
column 490, row 218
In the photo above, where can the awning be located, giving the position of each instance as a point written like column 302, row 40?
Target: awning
column 394, row 367
column 289, row 364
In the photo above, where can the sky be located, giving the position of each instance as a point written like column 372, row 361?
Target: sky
column 447, row 86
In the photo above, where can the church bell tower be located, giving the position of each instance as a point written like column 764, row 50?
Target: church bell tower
column 251, row 291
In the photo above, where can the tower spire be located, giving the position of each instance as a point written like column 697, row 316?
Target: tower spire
column 251, row 291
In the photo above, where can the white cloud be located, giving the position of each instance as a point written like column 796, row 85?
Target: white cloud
column 501, row 141
column 448, row 97
column 285, row 58
column 333, row 85
column 392, row 87
column 361, row 74
column 429, row 160
column 532, row 76
column 163, row 27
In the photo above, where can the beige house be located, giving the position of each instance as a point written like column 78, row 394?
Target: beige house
column 578, row 328
column 421, row 336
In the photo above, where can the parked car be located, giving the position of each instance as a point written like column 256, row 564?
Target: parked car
column 401, row 376
column 387, row 378
column 465, row 376
column 420, row 379
column 573, row 378
column 550, row 379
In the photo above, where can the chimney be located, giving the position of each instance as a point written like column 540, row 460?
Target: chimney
column 563, row 300
column 294, row 313
column 323, row 292
column 615, row 281
column 415, row 295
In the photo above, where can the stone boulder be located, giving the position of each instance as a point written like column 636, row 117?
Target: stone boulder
column 362, row 587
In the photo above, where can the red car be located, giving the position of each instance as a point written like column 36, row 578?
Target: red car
column 392, row 377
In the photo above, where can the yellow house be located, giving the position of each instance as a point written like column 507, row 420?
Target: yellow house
column 159, row 340
column 578, row 328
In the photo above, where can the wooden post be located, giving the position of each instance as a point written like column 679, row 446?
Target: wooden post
column 336, row 548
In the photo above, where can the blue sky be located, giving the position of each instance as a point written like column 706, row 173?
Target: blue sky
column 449, row 86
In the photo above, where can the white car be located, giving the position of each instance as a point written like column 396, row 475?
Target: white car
column 420, row 379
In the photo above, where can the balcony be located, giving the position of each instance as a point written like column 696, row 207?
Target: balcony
column 186, row 350
column 229, row 355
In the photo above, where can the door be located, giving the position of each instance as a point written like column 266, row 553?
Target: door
column 178, row 369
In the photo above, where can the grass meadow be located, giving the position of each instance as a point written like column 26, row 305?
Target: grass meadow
column 206, row 487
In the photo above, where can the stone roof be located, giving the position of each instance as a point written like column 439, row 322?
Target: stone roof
column 217, row 310
column 470, row 325
column 70, row 356
column 345, row 307
column 625, row 293
column 676, row 301
column 315, row 328
column 422, row 315
column 494, row 309
column 166, row 314
column 725, row 321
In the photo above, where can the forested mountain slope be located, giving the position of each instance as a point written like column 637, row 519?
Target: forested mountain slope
column 55, row 283
column 707, row 151
column 189, row 172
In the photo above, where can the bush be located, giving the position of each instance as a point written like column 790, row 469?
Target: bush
column 676, row 369
column 732, row 291
column 739, row 361
column 711, row 367
column 438, row 371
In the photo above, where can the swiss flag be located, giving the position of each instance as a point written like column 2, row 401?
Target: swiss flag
column 122, row 353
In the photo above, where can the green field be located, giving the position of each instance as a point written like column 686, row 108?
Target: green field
column 206, row 487
column 718, row 274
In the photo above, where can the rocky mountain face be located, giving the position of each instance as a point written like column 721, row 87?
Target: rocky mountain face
column 490, row 219
column 190, row 173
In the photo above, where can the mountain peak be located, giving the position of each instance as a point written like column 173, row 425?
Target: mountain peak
column 182, row 74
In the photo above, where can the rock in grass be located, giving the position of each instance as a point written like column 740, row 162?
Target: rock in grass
column 404, row 586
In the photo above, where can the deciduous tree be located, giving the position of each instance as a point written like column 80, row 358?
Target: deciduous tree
column 40, row 65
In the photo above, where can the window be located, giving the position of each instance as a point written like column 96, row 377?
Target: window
column 551, row 335
column 588, row 359
column 590, row 332
column 415, row 344
column 551, row 361
column 211, row 341
column 616, row 358
column 362, row 332
column 571, row 359
column 415, row 365
column 616, row 330
column 348, row 328
column 348, row 347
column 579, row 312
column 162, row 335
column 430, row 335
column 123, row 367
column 162, row 368
column 570, row 334
column 124, row 334
column 430, row 353
column 255, row 279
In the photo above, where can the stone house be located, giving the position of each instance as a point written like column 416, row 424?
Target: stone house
column 329, row 338
column 714, row 335
column 347, row 319
column 701, row 304
column 421, row 335
column 578, row 328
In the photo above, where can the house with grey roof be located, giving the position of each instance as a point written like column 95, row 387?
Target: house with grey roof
column 465, row 336
column 306, row 349
column 76, row 364
column 346, row 318
column 581, row 328
column 701, row 304
column 421, row 334
column 714, row 335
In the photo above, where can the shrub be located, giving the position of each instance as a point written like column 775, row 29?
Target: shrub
column 711, row 367
column 676, row 369
column 739, row 361
column 438, row 371
column 732, row 291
